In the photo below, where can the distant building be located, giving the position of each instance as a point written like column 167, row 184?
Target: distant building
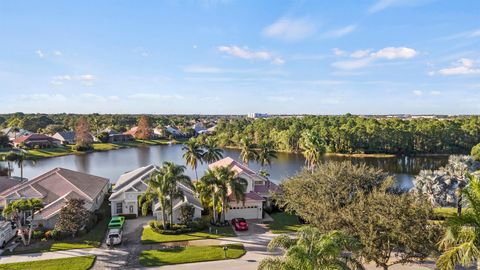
column 115, row 137
column 40, row 140
column 14, row 132
column 174, row 132
column 65, row 137
column 198, row 127
column 257, row 115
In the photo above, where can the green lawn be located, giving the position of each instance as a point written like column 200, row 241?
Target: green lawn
column 50, row 152
column 284, row 223
column 89, row 240
column 104, row 146
column 189, row 254
column 74, row 263
column 149, row 236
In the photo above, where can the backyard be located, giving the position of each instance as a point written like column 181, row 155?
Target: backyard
column 189, row 254
column 149, row 236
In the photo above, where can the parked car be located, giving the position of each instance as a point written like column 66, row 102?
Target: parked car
column 114, row 237
column 240, row 224
column 116, row 222
column 8, row 230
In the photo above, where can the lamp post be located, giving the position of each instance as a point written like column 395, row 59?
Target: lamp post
column 225, row 248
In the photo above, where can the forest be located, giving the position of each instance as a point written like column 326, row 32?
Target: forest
column 348, row 134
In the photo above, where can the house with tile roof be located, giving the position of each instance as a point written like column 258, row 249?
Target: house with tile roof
column 55, row 188
column 257, row 194
column 13, row 132
column 35, row 139
column 65, row 137
column 130, row 185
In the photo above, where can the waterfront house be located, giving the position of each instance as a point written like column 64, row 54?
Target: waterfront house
column 54, row 188
column 134, row 130
column 36, row 140
column 257, row 194
column 117, row 137
column 65, row 137
column 14, row 132
column 130, row 185
column 174, row 132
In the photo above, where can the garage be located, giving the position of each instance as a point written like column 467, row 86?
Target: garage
column 247, row 211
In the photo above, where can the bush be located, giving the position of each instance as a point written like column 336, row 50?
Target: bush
column 128, row 216
column 36, row 147
column 91, row 222
column 157, row 226
column 82, row 148
column 49, row 234
column 199, row 224
column 37, row 234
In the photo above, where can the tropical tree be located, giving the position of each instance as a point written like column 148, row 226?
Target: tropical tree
column 144, row 130
column 9, row 158
column 158, row 189
column 193, row 154
column 461, row 242
column 15, row 211
column 174, row 174
column 266, row 153
column 212, row 151
column 207, row 190
column 229, row 183
column 72, row 217
column 247, row 150
column 20, row 159
column 313, row 148
column 312, row 250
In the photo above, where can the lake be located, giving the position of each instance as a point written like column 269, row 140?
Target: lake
column 111, row 164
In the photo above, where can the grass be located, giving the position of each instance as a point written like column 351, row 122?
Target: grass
column 149, row 236
column 189, row 254
column 444, row 212
column 73, row 263
column 284, row 223
column 89, row 240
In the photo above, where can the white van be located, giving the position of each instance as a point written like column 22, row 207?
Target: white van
column 8, row 230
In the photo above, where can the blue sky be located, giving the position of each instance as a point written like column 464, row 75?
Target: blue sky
column 240, row 56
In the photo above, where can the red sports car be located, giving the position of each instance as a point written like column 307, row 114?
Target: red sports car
column 240, row 224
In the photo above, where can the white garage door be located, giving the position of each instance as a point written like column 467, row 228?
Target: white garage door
column 246, row 212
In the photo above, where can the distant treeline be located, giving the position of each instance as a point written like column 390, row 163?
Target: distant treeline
column 341, row 134
column 354, row 134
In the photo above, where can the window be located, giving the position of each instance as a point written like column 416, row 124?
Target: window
column 258, row 183
column 119, row 208
column 130, row 208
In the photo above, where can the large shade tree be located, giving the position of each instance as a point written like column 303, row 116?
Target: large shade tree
column 72, row 217
column 310, row 249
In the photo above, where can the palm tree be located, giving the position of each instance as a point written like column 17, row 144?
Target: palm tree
column 19, row 159
column 247, row 150
column 212, row 151
column 158, row 188
column 461, row 242
column 313, row 148
column 11, row 157
column 266, row 153
column 311, row 250
column 229, row 183
column 193, row 154
column 174, row 174
column 16, row 210
column 207, row 190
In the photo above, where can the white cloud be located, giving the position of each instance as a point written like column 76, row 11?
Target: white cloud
column 40, row 53
column 384, row 4
column 352, row 64
column 290, row 29
column 417, row 92
column 338, row 52
column 340, row 32
column 57, row 53
column 248, row 54
column 463, row 66
column 86, row 79
column 360, row 53
column 474, row 34
column 154, row 96
column 366, row 57
column 395, row 52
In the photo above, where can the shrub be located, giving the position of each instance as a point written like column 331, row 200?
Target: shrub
column 82, row 148
column 48, row 234
column 37, row 234
column 36, row 146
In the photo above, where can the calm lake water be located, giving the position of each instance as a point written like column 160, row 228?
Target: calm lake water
column 111, row 164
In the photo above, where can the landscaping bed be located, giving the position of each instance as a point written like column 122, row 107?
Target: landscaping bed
column 73, row 263
column 189, row 254
column 284, row 223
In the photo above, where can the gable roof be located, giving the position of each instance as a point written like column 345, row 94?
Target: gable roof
column 188, row 197
column 57, row 183
column 66, row 135
column 233, row 165
column 132, row 179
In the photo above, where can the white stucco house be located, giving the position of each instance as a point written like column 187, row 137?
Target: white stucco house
column 257, row 195
column 124, row 198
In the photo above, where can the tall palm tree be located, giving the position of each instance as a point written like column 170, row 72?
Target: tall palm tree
column 212, row 151
column 461, row 242
column 20, row 159
column 174, row 174
column 228, row 183
column 247, row 150
column 158, row 188
column 266, row 153
column 313, row 148
column 311, row 250
column 207, row 190
column 193, row 154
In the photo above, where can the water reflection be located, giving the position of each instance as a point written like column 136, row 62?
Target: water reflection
column 111, row 164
